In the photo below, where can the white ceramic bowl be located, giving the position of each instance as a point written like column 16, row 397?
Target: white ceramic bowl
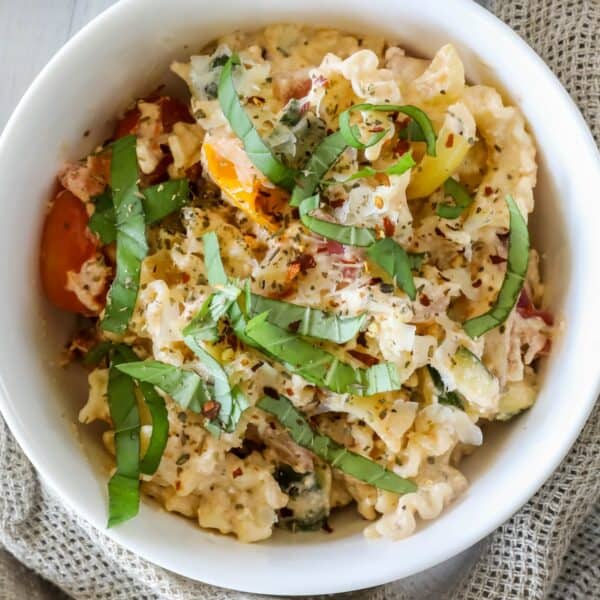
column 122, row 54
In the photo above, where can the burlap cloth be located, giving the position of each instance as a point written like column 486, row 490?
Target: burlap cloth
column 550, row 549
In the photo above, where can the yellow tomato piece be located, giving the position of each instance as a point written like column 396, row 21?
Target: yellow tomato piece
column 223, row 173
column 432, row 171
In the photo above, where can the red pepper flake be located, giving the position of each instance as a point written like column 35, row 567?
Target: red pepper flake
column 476, row 283
column 439, row 232
column 237, row 473
column 496, row 259
column 388, row 227
column 424, row 300
column 527, row 310
column 488, row 191
column 293, row 271
column 364, row 358
column 337, row 202
column 322, row 81
column 185, row 277
column 306, row 261
column 211, row 409
column 401, row 147
column 450, row 140
column 376, row 129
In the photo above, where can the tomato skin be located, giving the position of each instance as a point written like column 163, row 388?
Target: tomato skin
column 66, row 244
column 171, row 112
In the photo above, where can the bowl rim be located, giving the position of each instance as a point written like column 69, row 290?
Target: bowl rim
column 472, row 10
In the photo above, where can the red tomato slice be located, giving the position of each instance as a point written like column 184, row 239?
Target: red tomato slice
column 66, row 245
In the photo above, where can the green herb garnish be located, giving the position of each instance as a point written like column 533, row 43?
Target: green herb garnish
column 318, row 366
column 394, row 260
column 204, row 325
column 460, row 195
column 351, row 132
column 131, row 236
column 331, row 452
column 159, row 201
column 444, row 396
column 344, row 234
column 258, row 152
column 160, row 429
column 516, row 269
column 304, row 320
column 123, row 487
column 321, row 160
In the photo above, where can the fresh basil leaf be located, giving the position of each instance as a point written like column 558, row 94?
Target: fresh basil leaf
column 231, row 403
column 412, row 132
column 162, row 199
column 184, row 386
column 403, row 164
column 102, row 222
column 212, row 260
column 160, row 428
column 516, row 270
column 258, row 152
column 331, row 452
column 97, row 353
column 393, row 259
column 461, row 197
column 322, row 159
column 345, row 234
column 204, row 325
column 350, row 133
column 123, row 487
column 131, row 236
column 318, row 366
column 305, row 320
column 416, row 259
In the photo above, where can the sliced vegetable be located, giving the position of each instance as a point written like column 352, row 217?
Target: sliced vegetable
column 305, row 320
column 318, row 366
column 123, row 487
column 516, row 269
column 331, row 452
column 444, row 396
column 473, row 381
column 65, row 246
column 223, row 173
column 160, row 429
column 322, row 159
column 184, row 386
column 158, row 202
column 131, row 236
column 435, row 169
column 344, row 234
column 519, row 396
column 419, row 117
column 394, row 260
column 460, row 195
column 256, row 149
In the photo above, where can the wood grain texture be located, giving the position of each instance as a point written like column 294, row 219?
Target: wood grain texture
column 32, row 31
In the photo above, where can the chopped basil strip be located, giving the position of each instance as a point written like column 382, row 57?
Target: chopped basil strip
column 461, row 197
column 184, row 386
column 404, row 163
column 444, row 396
column 204, row 325
column 394, row 260
column 212, row 260
column 123, row 487
column 322, row 159
column 159, row 201
column 160, row 429
column 258, row 152
column 411, row 132
column 331, row 452
column 318, row 366
column 232, row 402
column 131, row 236
column 516, row 269
column 345, row 234
column 350, row 132
column 103, row 221
column 97, row 353
column 305, row 320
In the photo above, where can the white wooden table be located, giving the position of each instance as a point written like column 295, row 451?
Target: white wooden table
column 31, row 31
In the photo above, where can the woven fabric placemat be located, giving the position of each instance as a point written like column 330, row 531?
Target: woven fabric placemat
column 549, row 549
